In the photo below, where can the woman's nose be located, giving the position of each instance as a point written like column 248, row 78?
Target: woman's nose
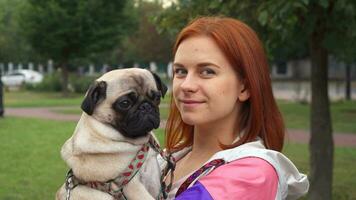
column 189, row 84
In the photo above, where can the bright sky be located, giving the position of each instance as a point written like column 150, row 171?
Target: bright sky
column 165, row 3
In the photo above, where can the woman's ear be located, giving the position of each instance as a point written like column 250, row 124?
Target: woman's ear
column 244, row 93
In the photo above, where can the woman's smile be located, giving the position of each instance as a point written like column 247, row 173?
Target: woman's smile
column 189, row 103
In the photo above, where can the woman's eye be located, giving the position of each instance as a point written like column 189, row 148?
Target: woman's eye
column 180, row 72
column 207, row 72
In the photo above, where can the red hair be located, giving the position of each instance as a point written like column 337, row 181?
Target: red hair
column 259, row 116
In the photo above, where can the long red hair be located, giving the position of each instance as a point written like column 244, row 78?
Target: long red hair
column 259, row 116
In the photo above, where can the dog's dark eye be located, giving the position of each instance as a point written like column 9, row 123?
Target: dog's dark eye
column 125, row 104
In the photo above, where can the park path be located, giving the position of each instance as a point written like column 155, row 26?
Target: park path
column 296, row 136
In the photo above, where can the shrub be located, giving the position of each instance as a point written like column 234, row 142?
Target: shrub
column 50, row 83
column 81, row 84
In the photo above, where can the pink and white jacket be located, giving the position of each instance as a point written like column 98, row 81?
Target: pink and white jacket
column 249, row 171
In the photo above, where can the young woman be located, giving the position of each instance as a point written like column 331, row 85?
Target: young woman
column 224, row 129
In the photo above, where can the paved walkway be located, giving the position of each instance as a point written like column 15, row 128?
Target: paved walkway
column 297, row 136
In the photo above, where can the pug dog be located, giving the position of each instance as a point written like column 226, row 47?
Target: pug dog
column 120, row 112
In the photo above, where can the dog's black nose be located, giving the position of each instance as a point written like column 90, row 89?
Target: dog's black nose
column 146, row 107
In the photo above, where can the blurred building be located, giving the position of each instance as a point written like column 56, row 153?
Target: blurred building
column 291, row 80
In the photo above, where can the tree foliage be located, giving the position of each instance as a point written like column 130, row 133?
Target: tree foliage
column 13, row 47
column 146, row 43
column 297, row 20
column 65, row 30
column 180, row 13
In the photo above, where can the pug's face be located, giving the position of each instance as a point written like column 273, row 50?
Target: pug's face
column 127, row 100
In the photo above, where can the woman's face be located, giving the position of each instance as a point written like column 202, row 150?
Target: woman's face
column 206, row 88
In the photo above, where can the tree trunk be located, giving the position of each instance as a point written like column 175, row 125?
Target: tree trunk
column 1, row 98
column 321, row 141
column 64, row 78
column 348, row 82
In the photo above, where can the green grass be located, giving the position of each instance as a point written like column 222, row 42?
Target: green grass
column 344, row 168
column 296, row 116
column 343, row 115
column 31, row 167
column 39, row 99
column 160, row 135
column 166, row 99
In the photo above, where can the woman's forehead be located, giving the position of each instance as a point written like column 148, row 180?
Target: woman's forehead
column 199, row 49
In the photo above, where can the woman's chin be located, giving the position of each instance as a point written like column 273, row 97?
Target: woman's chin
column 190, row 120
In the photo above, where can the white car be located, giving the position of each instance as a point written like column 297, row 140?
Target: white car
column 17, row 78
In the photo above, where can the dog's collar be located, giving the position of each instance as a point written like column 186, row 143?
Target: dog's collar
column 114, row 186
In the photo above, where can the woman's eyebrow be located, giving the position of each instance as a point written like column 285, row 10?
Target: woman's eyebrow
column 178, row 65
column 204, row 64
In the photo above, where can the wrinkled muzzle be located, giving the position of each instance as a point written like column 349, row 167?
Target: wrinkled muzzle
column 142, row 121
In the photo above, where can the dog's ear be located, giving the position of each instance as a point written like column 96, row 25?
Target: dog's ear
column 95, row 94
column 160, row 85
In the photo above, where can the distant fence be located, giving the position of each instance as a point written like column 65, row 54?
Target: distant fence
column 164, row 69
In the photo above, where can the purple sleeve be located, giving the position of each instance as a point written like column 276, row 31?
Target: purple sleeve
column 196, row 192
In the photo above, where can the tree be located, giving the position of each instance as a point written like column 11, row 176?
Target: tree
column 65, row 30
column 146, row 43
column 348, row 81
column 1, row 97
column 320, row 27
column 327, row 25
column 345, row 49
column 13, row 47
column 174, row 18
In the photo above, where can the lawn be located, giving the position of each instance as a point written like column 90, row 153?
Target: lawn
column 344, row 168
column 33, row 169
column 39, row 99
column 343, row 114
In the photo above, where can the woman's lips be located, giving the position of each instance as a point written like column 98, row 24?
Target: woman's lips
column 191, row 103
